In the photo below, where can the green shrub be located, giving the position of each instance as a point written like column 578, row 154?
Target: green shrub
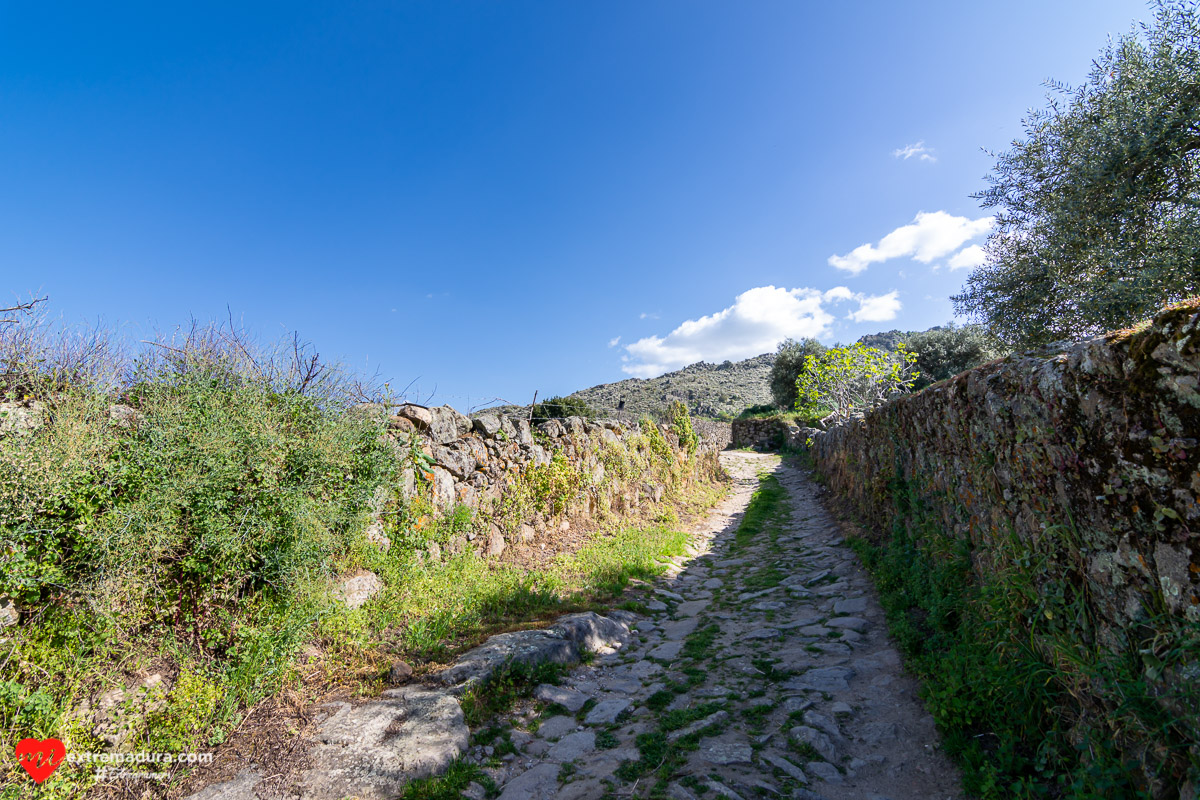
column 789, row 364
column 561, row 408
column 681, row 424
column 853, row 378
column 945, row 352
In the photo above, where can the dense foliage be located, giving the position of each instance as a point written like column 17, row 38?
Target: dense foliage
column 945, row 352
column 1098, row 206
column 788, row 364
column 853, row 379
column 561, row 408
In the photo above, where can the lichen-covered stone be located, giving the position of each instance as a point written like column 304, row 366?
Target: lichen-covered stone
column 1088, row 458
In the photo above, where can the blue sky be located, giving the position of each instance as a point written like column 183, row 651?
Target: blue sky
column 489, row 198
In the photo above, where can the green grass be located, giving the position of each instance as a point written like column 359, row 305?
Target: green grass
column 1009, row 716
column 766, row 513
column 450, row 785
column 204, row 540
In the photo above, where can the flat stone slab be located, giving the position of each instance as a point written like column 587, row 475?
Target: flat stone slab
column 372, row 750
column 555, row 727
column 667, row 651
column 823, row 679
column 607, row 711
column 573, row 746
column 691, row 608
column 679, row 628
column 644, row 669
column 561, row 643
column 744, row 596
column 699, row 725
column 853, row 623
column 624, row 685
column 569, row 699
column 763, row 633
column 539, row 783
column 819, row 740
column 853, row 605
column 824, row 770
column 779, row 762
column 768, row 605
column 727, row 753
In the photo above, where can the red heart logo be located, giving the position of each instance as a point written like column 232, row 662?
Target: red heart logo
column 40, row 757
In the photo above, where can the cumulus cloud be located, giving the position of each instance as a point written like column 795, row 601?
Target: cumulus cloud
column 918, row 151
column 647, row 315
column 878, row 308
column 613, row 342
column 758, row 320
column 930, row 235
column 968, row 257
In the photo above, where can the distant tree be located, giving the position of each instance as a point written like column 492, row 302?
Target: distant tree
column 1098, row 207
column 846, row 380
column 560, row 408
column 789, row 363
column 944, row 352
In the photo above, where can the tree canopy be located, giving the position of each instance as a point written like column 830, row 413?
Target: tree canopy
column 945, row 352
column 788, row 364
column 1098, row 207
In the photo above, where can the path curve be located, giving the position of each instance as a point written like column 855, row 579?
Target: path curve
column 763, row 669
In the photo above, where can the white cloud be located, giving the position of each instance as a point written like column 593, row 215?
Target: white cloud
column 647, row 315
column 758, row 320
column 968, row 257
column 877, row 308
column 930, row 235
column 613, row 342
column 918, row 150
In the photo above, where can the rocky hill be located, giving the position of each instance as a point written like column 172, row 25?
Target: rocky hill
column 707, row 390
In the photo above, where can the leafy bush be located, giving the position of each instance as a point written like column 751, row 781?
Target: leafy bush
column 681, row 424
column 853, row 378
column 201, row 523
column 788, row 365
column 945, row 352
column 561, row 408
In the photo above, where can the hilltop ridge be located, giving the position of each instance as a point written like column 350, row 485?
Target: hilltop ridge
column 707, row 389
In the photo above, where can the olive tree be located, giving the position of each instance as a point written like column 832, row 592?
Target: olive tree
column 788, row 364
column 944, row 352
column 1098, row 206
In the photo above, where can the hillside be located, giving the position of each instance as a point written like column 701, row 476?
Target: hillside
column 707, row 389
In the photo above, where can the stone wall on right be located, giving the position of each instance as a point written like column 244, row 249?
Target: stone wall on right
column 1088, row 457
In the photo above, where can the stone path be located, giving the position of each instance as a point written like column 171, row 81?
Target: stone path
column 760, row 670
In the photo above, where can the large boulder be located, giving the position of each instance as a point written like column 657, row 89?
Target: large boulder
column 21, row 417
column 487, row 424
column 444, row 496
column 448, row 425
column 419, row 416
column 454, row 460
column 355, row 591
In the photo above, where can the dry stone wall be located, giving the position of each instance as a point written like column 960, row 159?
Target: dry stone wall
column 770, row 433
column 531, row 485
column 1087, row 459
